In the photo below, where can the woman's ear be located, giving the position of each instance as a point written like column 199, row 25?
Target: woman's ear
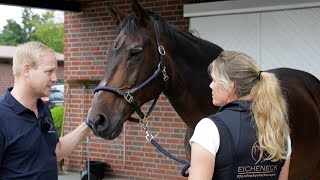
column 233, row 93
column 233, row 88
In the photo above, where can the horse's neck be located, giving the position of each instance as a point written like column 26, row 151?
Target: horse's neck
column 188, row 90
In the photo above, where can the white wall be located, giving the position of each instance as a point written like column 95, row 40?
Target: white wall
column 279, row 38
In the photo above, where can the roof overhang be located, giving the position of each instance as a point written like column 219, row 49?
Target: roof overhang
column 63, row 5
column 7, row 53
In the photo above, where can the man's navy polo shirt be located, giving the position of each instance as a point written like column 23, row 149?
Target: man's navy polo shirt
column 27, row 144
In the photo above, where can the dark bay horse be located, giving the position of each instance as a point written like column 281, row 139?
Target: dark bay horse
column 150, row 57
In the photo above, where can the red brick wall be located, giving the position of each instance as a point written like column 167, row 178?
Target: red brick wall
column 60, row 71
column 6, row 77
column 87, row 38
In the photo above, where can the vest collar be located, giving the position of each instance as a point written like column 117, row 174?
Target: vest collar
column 237, row 105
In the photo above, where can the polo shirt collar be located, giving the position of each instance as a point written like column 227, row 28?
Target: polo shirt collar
column 16, row 106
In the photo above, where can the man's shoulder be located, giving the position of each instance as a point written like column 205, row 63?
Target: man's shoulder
column 3, row 101
column 2, row 97
column 3, row 104
column 5, row 109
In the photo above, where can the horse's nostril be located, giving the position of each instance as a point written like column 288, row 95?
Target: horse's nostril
column 99, row 121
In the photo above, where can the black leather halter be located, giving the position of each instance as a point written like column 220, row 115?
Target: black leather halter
column 129, row 95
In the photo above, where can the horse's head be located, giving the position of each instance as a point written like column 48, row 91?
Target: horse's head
column 134, row 73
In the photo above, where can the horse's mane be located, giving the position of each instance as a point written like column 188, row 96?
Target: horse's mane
column 130, row 25
column 203, row 51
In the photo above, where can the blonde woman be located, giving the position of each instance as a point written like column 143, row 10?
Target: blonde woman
column 248, row 138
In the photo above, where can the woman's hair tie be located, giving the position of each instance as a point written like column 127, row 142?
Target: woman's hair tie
column 259, row 74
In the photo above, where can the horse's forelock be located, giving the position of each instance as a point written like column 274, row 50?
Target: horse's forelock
column 130, row 24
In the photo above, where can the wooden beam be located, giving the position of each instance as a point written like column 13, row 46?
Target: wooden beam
column 64, row 5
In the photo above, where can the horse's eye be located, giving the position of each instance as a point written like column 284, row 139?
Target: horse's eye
column 134, row 53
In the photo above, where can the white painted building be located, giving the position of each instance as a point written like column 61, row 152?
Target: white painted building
column 277, row 33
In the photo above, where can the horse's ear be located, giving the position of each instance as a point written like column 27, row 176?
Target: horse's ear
column 139, row 12
column 116, row 13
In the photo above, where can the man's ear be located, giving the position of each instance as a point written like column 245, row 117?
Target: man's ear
column 26, row 70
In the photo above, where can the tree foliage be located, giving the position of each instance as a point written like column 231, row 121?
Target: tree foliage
column 12, row 34
column 34, row 27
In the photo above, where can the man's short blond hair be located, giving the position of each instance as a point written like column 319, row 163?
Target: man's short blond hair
column 29, row 53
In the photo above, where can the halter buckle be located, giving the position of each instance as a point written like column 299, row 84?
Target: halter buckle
column 128, row 97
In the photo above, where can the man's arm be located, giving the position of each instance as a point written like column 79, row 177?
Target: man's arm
column 70, row 141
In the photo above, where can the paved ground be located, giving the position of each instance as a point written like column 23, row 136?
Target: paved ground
column 69, row 176
column 76, row 176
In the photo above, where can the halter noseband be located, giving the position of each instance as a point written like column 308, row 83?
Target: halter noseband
column 129, row 95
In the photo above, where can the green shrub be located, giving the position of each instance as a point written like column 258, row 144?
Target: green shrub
column 57, row 115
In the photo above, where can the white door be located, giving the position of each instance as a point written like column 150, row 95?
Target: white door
column 279, row 38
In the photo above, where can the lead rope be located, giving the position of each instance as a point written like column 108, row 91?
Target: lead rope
column 150, row 137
